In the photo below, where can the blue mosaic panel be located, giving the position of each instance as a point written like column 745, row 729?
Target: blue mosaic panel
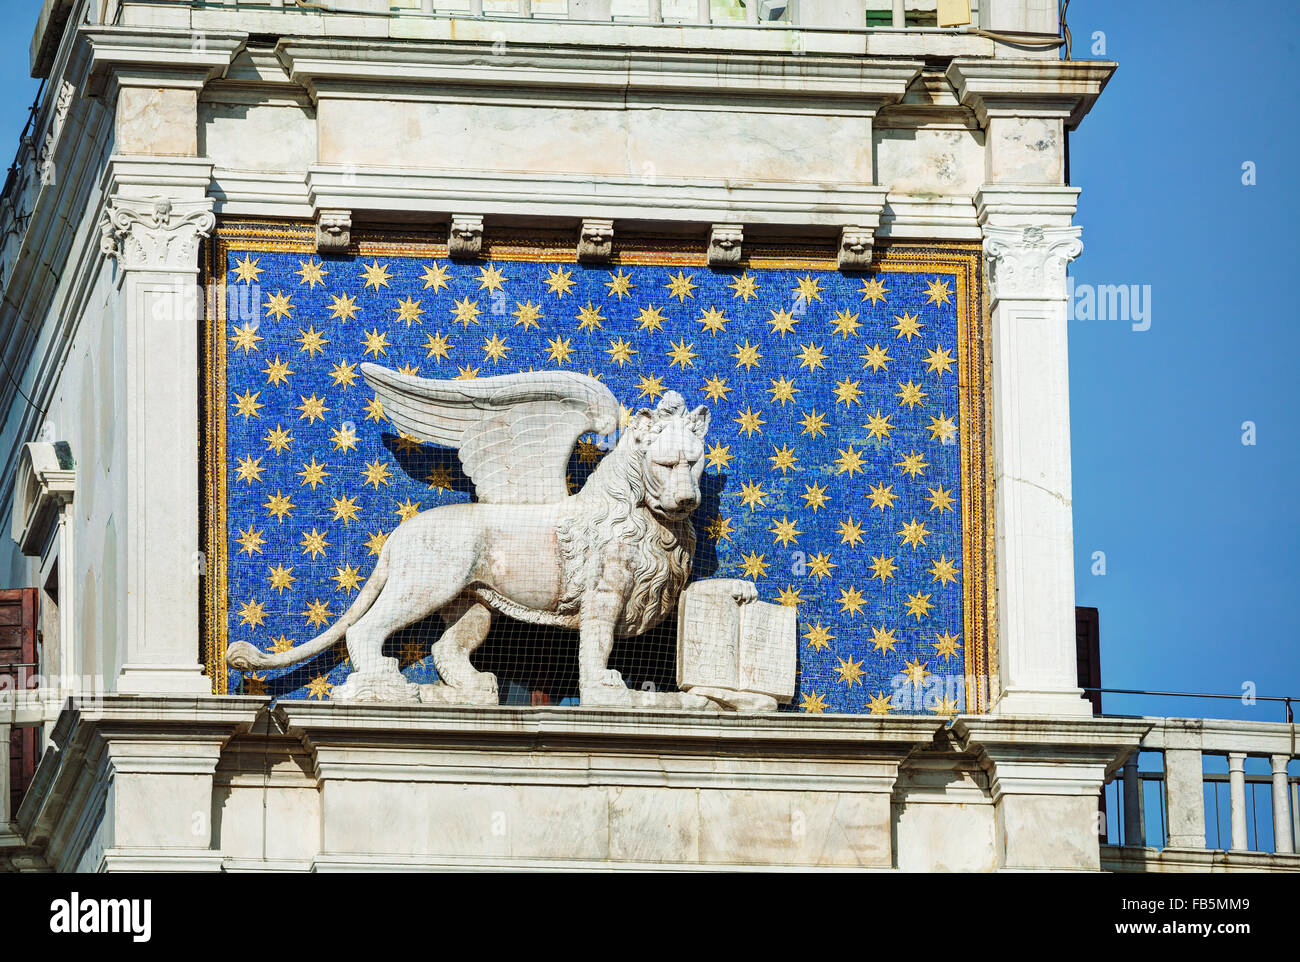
column 833, row 476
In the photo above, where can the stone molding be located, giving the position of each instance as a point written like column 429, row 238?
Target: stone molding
column 1062, row 89
column 45, row 483
column 156, row 57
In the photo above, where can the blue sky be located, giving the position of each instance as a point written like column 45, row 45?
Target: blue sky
column 1199, row 531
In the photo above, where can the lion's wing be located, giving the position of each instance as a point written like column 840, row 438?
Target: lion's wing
column 514, row 433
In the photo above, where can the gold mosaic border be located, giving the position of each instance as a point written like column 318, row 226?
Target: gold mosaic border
column 974, row 382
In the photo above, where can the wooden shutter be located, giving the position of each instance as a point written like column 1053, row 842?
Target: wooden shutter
column 18, row 669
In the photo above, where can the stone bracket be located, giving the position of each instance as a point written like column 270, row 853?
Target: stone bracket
column 725, row 243
column 856, row 248
column 333, row 230
column 465, row 237
column 595, row 239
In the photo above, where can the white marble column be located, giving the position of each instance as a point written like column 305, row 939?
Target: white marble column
column 1237, row 800
column 1282, row 843
column 1185, row 794
column 1028, row 241
column 156, row 215
column 1134, row 833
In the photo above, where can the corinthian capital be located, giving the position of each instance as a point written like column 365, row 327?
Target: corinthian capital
column 1028, row 263
column 155, row 233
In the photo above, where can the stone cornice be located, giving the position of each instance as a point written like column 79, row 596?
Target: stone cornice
column 162, row 57
column 587, row 73
column 1065, row 89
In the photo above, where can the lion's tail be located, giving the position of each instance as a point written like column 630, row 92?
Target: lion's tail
column 243, row 656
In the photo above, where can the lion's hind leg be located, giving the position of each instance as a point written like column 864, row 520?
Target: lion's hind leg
column 468, row 621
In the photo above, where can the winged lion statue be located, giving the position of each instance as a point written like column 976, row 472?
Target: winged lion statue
column 609, row 560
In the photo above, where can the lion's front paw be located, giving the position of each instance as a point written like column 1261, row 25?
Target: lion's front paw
column 744, row 592
column 607, row 696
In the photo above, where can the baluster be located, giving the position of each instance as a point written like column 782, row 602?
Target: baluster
column 1281, row 821
column 705, row 14
column 526, row 9
column 900, row 13
column 1133, row 832
column 655, row 11
column 426, row 7
column 752, row 10
column 1237, row 799
column 476, row 8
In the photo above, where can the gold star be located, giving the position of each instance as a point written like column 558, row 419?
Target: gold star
column 715, row 388
column 559, row 281
column 278, row 440
column 490, row 278
column 849, row 461
column 944, row 570
column 280, row 505
column 680, row 286
column 784, row 459
column 882, row 497
column 752, row 495
column 281, row 644
column 376, row 275
column 750, row 421
column 375, row 542
column 914, row 533
column 946, row 647
column 941, row 499
column 278, row 305
column 850, row 532
column 877, row 358
column 436, row 276
column 344, row 374
column 818, row 636
column 913, row 464
column 938, row 292
column 344, row 438
column 376, row 473
column 910, row 394
column 719, row 456
column 246, row 338
column 712, row 320
column 375, row 343
column 252, row 613
column 313, row 409
column 878, row 425
column 942, row 428
column 813, row 703
column 344, row 308
column 348, row 578
column 408, row 309
column 317, row 612
column 277, row 372
column 847, row 392
column 559, row 349
column 650, row 319
column 811, row 356
column 883, row 639
column 908, row 326
column 681, row 353
column 846, row 324
column 782, row 389
column 344, row 508
column 319, row 687
column 440, row 479
column 406, row 510
column 312, row 341
column 814, row 424
column 807, row 289
column 246, row 404
column 789, row 596
column 589, row 317
column 311, row 272
column 882, row 568
column 494, row 348
column 465, row 311
column 465, row 373
column 785, row 531
column 820, row 565
column 719, row 529
column 744, row 287
column 946, row 706
column 916, row 673
column 250, row 541
column 620, row 351
column 747, row 356
column 938, row 361
column 850, row 671
column 851, row 600
column 588, row 452
column 374, row 409
column 782, row 321
column 651, row 386
column 754, row 566
column 814, row 496
column 313, row 473
column 407, row 443
column 249, row 469
column 246, row 270
column 528, row 315
column 437, row 346
column 280, row 577
column 879, row 704
column 619, row 284
column 873, row 290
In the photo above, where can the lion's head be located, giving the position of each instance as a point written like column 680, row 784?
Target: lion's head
column 670, row 443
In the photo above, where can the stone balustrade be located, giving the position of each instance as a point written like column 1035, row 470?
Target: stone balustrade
column 1175, row 838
